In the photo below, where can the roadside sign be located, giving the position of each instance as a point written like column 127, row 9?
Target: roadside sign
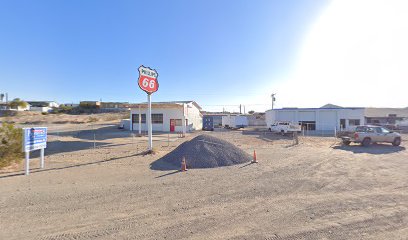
column 148, row 83
column 33, row 139
column 148, row 79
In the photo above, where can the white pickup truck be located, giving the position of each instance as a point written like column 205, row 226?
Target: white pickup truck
column 285, row 127
column 368, row 134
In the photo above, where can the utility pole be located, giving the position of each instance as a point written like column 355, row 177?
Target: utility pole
column 273, row 99
column 240, row 107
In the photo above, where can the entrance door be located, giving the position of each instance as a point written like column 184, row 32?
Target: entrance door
column 172, row 125
column 342, row 124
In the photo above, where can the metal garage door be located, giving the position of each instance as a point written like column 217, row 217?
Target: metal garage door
column 285, row 116
column 327, row 120
column 306, row 116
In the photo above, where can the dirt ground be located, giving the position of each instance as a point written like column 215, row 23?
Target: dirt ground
column 315, row 190
column 61, row 120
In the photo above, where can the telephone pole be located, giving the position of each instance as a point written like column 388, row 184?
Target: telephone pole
column 273, row 99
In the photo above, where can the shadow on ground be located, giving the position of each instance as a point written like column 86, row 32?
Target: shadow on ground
column 55, row 147
column 161, row 165
column 37, row 170
column 267, row 136
column 373, row 149
column 100, row 133
column 103, row 133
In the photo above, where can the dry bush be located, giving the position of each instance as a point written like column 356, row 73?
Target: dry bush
column 11, row 139
column 92, row 119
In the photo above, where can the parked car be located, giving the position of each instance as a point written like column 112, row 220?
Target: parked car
column 367, row 134
column 285, row 127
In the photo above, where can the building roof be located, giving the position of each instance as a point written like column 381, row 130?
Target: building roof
column 329, row 105
column 302, row 109
column 165, row 104
column 385, row 112
column 40, row 101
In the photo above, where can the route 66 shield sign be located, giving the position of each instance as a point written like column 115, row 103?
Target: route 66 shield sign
column 148, row 79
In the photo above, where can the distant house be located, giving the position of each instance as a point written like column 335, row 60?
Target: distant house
column 90, row 104
column 115, row 105
column 4, row 106
column 42, row 106
column 71, row 105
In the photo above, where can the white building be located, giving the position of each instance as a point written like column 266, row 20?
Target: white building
column 167, row 116
column 320, row 119
column 42, row 106
column 330, row 117
column 73, row 105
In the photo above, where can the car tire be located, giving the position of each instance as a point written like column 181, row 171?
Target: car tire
column 396, row 142
column 366, row 142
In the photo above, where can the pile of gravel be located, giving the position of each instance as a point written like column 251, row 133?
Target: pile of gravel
column 206, row 151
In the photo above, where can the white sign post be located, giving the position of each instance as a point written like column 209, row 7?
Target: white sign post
column 149, row 122
column 34, row 139
column 148, row 83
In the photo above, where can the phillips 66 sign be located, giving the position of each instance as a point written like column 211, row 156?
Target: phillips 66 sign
column 148, row 79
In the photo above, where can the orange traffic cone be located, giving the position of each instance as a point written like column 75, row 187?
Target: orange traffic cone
column 183, row 165
column 254, row 160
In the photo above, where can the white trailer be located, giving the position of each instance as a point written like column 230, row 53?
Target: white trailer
column 270, row 118
column 234, row 121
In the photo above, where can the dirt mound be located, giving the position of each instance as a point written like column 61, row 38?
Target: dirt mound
column 206, row 151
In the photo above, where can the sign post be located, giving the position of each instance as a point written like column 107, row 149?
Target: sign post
column 148, row 83
column 34, row 139
column 149, row 120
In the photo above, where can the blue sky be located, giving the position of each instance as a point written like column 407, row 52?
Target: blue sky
column 215, row 52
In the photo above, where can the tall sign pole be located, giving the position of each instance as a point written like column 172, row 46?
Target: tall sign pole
column 148, row 83
column 149, row 121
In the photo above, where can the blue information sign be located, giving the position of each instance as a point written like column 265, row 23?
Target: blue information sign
column 34, row 138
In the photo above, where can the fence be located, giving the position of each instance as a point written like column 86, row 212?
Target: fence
column 322, row 130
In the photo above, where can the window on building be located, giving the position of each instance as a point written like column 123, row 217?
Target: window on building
column 135, row 118
column 354, row 122
column 178, row 122
column 157, row 118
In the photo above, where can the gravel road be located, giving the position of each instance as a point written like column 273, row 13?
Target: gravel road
column 314, row 190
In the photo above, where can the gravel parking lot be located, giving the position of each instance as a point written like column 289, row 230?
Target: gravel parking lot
column 315, row 190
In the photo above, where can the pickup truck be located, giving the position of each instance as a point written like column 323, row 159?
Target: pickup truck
column 285, row 127
column 367, row 134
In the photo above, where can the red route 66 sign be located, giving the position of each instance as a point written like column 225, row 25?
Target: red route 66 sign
column 148, row 79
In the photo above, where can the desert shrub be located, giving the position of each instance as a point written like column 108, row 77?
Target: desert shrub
column 17, row 102
column 63, row 109
column 44, row 113
column 92, row 119
column 11, row 139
